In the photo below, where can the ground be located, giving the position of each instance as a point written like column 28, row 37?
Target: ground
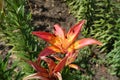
column 46, row 13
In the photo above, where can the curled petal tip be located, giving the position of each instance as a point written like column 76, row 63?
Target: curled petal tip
column 99, row 43
column 59, row 76
column 85, row 42
column 74, row 66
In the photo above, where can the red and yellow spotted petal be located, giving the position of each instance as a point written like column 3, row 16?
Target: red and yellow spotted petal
column 85, row 42
column 74, row 31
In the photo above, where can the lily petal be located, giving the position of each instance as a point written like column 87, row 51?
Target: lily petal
column 49, row 50
column 37, row 67
column 35, row 76
column 44, row 35
column 84, row 42
column 51, row 64
column 71, row 58
column 74, row 66
column 51, row 38
column 74, row 31
column 58, row 76
column 59, row 31
column 60, row 65
column 56, row 57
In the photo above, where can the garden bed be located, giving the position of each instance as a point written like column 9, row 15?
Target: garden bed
column 46, row 13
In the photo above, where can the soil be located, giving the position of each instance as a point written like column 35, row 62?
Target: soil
column 46, row 13
column 101, row 73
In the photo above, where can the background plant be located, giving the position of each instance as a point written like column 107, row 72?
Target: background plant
column 113, row 57
column 103, row 24
column 15, row 31
column 7, row 71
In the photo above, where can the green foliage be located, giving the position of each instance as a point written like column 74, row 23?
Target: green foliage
column 76, row 75
column 113, row 57
column 100, row 18
column 103, row 24
column 15, row 31
column 15, row 28
column 1, row 4
column 7, row 71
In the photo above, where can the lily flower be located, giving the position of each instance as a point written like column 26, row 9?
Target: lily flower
column 63, row 42
column 71, row 58
column 51, row 73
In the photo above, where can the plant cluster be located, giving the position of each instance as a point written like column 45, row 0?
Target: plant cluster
column 103, row 18
column 15, row 31
column 63, row 50
column 8, row 72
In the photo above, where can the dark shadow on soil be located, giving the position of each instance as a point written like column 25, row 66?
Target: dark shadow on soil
column 46, row 13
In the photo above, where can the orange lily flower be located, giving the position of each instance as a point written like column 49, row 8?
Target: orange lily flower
column 64, row 42
column 52, row 73
column 71, row 58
